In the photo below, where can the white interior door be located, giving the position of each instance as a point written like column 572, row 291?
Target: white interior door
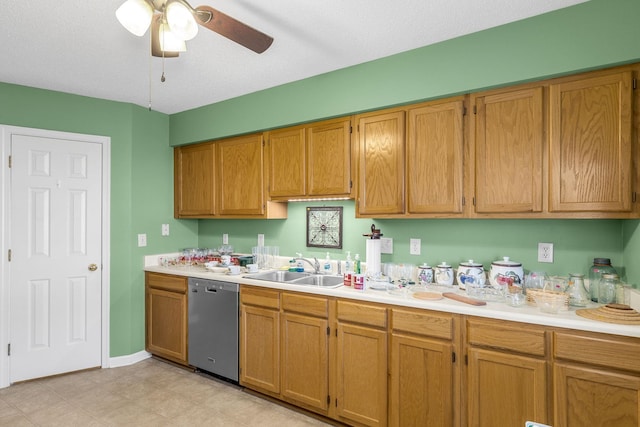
column 56, row 226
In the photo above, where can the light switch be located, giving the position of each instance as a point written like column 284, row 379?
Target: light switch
column 142, row 240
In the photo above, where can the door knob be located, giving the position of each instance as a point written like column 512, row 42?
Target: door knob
column 93, row 267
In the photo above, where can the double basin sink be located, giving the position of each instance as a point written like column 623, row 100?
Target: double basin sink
column 299, row 278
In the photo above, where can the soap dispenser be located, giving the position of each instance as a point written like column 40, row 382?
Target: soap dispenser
column 327, row 264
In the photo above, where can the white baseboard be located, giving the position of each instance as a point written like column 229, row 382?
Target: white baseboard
column 116, row 362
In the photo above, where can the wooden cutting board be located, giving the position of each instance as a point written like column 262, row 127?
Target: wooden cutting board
column 464, row 299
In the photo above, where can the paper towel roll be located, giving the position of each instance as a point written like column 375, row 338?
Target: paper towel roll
column 373, row 256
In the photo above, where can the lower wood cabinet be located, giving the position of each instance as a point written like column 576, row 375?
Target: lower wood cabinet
column 506, row 374
column 596, row 380
column 305, row 351
column 260, row 339
column 166, row 316
column 368, row 364
column 422, row 369
column 362, row 363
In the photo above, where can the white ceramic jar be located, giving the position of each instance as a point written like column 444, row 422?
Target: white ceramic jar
column 504, row 272
column 471, row 273
column 443, row 274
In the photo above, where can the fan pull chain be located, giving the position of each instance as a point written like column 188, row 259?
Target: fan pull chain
column 150, row 69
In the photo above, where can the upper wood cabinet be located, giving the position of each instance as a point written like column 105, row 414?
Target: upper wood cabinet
column 310, row 161
column 435, row 139
column 591, row 150
column 195, row 180
column 509, row 146
column 381, row 163
column 223, row 179
column 410, row 160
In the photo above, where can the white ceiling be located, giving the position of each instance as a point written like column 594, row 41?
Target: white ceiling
column 78, row 46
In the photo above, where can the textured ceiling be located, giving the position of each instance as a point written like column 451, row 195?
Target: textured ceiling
column 78, row 46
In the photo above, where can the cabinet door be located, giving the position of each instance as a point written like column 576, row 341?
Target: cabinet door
column 509, row 144
column 287, row 163
column 595, row 397
column 362, row 375
column 329, row 158
column 421, row 382
column 166, row 324
column 434, row 158
column 240, row 165
column 506, row 389
column 260, row 348
column 590, row 152
column 381, row 164
column 194, row 180
column 305, row 343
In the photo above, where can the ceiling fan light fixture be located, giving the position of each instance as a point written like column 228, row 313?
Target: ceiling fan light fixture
column 168, row 41
column 135, row 16
column 181, row 19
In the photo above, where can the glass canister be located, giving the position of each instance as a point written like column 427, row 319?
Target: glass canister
column 600, row 266
column 607, row 288
column 578, row 295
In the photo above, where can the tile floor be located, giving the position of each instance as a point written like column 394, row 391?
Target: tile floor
column 149, row 393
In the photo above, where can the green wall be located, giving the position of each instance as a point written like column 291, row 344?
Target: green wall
column 591, row 35
column 576, row 242
column 141, row 188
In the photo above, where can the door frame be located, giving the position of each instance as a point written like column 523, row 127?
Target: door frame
column 6, row 133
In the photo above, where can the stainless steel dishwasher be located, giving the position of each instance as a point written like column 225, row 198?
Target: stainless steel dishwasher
column 213, row 327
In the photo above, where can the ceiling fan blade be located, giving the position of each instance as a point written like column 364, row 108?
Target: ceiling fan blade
column 233, row 29
column 155, row 39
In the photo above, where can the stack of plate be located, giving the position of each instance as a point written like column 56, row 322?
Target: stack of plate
column 612, row 313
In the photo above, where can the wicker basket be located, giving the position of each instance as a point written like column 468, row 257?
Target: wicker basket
column 532, row 293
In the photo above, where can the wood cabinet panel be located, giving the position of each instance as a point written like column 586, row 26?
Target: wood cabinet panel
column 195, row 180
column 329, row 158
column 598, row 349
column 311, row 305
column 166, row 324
column 261, row 297
column 507, row 336
column 287, row 152
column 595, row 397
column 509, row 143
column 422, row 322
column 421, row 382
column 505, row 389
column 381, row 163
column 590, row 143
column 240, row 168
column 260, row 348
column 434, row 162
column 357, row 312
column 362, row 374
column 167, row 282
column 305, row 358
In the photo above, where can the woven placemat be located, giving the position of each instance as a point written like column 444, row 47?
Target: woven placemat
column 612, row 313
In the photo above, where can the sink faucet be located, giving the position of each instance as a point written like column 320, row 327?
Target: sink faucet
column 315, row 264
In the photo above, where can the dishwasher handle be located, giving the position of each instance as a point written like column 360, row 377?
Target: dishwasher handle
column 210, row 289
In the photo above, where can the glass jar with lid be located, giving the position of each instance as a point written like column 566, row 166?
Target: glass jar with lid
column 600, row 266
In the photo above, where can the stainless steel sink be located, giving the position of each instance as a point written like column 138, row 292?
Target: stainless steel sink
column 321, row 280
column 296, row 278
column 278, row 276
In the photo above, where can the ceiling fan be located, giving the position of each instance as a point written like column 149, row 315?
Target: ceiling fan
column 175, row 21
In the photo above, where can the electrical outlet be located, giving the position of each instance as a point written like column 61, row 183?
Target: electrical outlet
column 414, row 246
column 142, row 240
column 545, row 252
column 165, row 229
column 386, row 245
column 260, row 239
column 225, row 239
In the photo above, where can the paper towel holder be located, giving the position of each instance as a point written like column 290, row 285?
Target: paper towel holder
column 375, row 233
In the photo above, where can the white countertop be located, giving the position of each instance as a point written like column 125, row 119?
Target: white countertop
column 495, row 310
